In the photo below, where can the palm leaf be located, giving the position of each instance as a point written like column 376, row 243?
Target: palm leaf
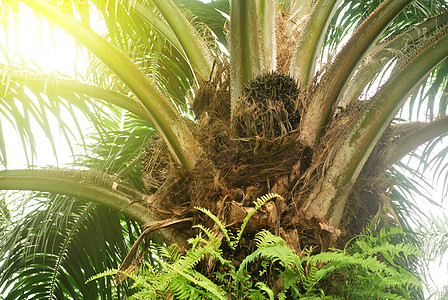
column 67, row 246
column 163, row 114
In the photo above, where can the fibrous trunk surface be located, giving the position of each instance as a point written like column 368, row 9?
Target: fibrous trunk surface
column 255, row 152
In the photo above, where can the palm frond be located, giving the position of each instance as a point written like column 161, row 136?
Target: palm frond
column 245, row 53
column 151, row 44
column 351, row 13
column 212, row 14
column 119, row 152
column 60, row 245
column 42, row 106
column 310, row 43
column 435, row 153
column 343, row 65
column 163, row 113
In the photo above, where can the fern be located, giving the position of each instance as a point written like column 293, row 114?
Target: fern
column 139, row 281
column 263, row 287
column 212, row 238
column 170, row 253
column 360, row 268
column 258, row 204
column 272, row 248
column 172, row 278
column 233, row 243
column 310, row 281
column 202, row 281
column 215, row 219
column 355, row 272
column 103, row 274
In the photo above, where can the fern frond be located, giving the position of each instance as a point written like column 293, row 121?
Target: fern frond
column 174, row 252
column 394, row 250
column 200, row 280
column 103, row 274
column 272, row 248
column 226, row 233
column 258, row 204
column 265, row 238
column 310, row 281
column 262, row 286
column 138, row 281
column 211, row 236
column 181, row 279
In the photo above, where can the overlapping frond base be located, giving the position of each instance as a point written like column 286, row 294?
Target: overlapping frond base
column 246, row 158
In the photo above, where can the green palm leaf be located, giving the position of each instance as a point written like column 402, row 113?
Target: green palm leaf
column 39, row 251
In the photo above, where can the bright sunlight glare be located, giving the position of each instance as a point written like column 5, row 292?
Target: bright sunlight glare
column 49, row 49
column 39, row 45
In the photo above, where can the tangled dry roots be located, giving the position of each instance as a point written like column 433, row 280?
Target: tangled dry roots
column 261, row 143
column 254, row 152
column 244, row 160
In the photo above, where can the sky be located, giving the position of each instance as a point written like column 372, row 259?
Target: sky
column 53, row 52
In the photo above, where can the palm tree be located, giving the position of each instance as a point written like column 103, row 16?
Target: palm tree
column 198, row 104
